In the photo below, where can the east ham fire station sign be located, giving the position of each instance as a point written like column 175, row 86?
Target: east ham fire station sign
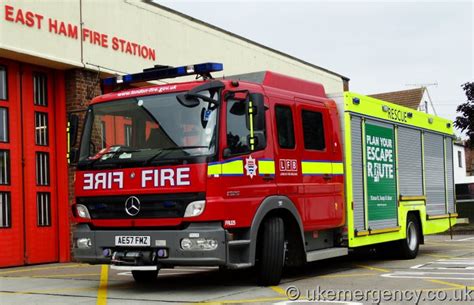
column 36, row 21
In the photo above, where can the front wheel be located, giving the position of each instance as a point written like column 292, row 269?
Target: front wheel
column 408, row 247
column 271, row 243
column 144, row 276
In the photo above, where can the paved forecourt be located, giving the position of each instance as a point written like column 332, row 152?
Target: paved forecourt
column 443, row 273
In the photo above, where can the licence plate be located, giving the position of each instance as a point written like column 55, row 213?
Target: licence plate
column 133, row 241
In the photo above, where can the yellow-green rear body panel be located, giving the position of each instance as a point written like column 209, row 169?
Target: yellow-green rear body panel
column 388, row 112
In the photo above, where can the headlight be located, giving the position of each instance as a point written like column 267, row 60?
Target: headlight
column 82, row 211
column 195, row 208
column 197, row 244
column 84, row 243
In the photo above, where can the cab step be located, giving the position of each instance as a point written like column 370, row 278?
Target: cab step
column 325, row 253
column 240, row 242
column 239, row 265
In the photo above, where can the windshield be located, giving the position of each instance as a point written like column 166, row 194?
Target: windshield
column 147, row 130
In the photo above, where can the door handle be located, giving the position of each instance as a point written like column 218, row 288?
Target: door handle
column 327, row 177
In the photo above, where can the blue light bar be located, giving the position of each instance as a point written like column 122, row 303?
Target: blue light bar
column 163, row 73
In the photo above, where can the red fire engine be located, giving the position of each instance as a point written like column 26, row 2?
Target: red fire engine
column 246, row 171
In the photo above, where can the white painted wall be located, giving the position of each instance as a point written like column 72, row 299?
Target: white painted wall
column 175, row 39
column 425, row 104
column 460, row 175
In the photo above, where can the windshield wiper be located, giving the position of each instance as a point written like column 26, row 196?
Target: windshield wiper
column 147, row 162
column 185, row 147
column 113, row 154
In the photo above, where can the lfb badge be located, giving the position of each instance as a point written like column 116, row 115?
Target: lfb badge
column 251, row 166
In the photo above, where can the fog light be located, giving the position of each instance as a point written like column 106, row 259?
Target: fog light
column 186, row 244
column 107, row 252
column 162, row 253
column 84, row 243
column 195, row 208
column 82, row 211
column 212, row 244
column 199, row 244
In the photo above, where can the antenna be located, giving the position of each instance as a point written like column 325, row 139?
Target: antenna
column 425, row 86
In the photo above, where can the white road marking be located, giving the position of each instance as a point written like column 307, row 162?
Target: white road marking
column 316, row 302
column 431, row 275
column 125, row 273
column 468, row 261
column 456, row 268
column 461, row 240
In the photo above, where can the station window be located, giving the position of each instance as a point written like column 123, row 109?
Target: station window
column 4, row 167
column 3, row 124
column 313, row 130
column 459, row 159
column 40, row 89
column 41, row 128
column 43, row 209
column 5, row 210
column 42, row 168
column 284, row 121
column 3, row 83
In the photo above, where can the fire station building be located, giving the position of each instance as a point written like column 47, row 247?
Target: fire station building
column 53, row 55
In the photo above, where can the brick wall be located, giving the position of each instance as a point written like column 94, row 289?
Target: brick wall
column 81, row 86
column 469, row 153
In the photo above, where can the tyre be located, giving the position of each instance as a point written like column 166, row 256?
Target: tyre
column 271, row 258
column 408, row 247
column 144, row 276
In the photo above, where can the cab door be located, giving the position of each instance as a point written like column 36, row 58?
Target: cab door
column 242, row 177
column 287, row 152
column 315, row 134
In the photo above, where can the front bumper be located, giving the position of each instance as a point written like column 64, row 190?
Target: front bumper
column 160, row 239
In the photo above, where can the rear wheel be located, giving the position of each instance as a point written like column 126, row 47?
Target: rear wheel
column 408, row 247
column 144, row 276
column 271, row 243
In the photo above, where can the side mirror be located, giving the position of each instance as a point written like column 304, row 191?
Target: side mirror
column 187, row 101
column 226, row 153
column 259, row 141
column 258, row 111
column 73, row 124
column 191, row 98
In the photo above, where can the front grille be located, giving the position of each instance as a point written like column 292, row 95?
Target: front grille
column 151, row 206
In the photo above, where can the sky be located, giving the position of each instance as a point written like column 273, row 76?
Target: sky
column 380, row 45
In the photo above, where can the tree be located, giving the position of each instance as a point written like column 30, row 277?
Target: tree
column 465, row 122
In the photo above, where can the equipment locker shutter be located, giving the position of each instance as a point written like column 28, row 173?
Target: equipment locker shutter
column 434, row 171
column 410, row 167
column 357, row 174
column 450, row 174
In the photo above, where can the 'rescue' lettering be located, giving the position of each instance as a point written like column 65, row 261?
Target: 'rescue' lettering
column 397, row 115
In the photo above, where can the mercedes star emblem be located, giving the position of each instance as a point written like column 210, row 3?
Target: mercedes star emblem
column 132, row 206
